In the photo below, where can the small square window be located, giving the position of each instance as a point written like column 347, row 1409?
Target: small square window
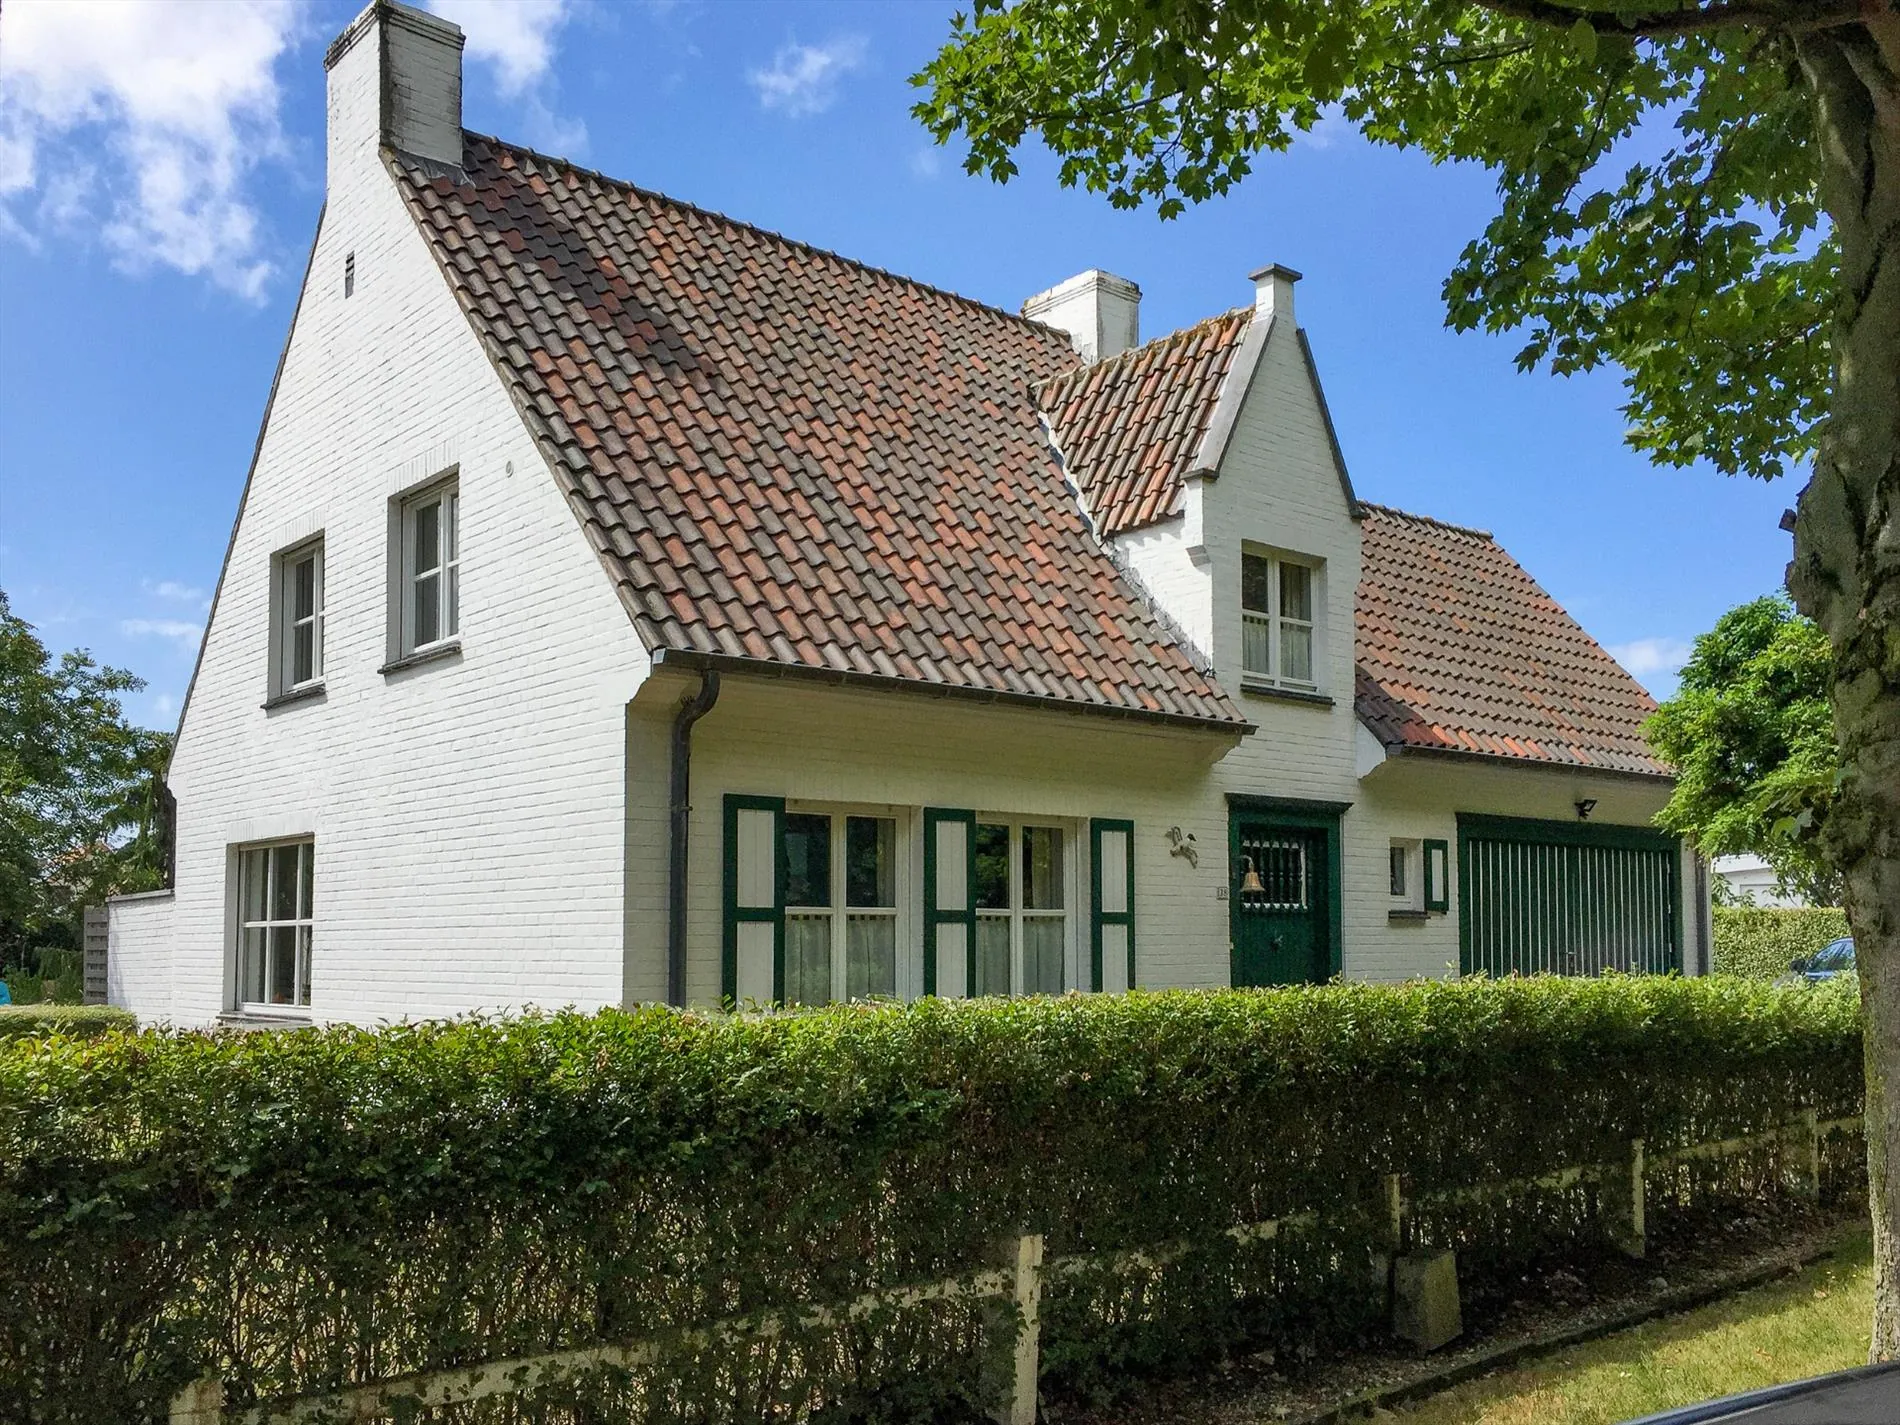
column 297, row 619
column 349, row 274
column 1405, row 876
column 1278, row 614
column 430, row 585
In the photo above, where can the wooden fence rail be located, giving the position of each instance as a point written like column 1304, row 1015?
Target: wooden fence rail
column 1018, row 1279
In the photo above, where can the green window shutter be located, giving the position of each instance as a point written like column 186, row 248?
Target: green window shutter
column 1437, row 876
column 1112, row 904
column 949, row 901
column 753, row 964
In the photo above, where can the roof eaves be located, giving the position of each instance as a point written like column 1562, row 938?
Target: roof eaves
column 1233, row 397
column 1332, row 434
column 1535, row 764
column 848, row 678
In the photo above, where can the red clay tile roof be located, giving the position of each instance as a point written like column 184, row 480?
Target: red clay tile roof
column 1459, row 650
column 1128, row 427
column 784, row 456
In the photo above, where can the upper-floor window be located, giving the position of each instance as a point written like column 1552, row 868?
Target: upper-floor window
column 431, row 569
column 297, row 619
column 1278, row 599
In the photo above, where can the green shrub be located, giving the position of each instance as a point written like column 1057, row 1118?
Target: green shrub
column 1760, row 942
column 296, row 1211
column 64, row 968
column 79, row 1021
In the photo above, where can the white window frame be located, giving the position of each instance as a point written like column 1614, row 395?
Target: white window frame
column 285, row 623
column 1412, row 898
column 299, row 1006
column 1275, row 622
column 840, row 914
column 1016, row 914
column 446, row 572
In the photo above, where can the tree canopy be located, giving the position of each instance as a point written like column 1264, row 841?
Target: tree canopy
column 1656, row 169
column 1750, row 732
column 78, row 790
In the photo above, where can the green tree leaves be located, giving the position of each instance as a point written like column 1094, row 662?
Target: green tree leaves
column 1751, row 735
column 1657, row 191
column 78, row 814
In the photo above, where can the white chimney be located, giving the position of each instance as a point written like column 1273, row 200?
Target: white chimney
column 1273, row 290
column 1100, row 311
column 396, row 79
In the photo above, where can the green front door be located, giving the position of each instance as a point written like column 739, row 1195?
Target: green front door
column 1281, row 896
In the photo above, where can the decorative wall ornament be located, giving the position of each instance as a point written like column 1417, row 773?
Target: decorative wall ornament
column 1182, row 844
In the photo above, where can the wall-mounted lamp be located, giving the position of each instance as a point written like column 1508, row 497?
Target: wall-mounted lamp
column 1585, row 807
column 1182, row 844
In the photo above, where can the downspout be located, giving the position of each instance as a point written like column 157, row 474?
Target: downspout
column 1706, row 961
column 692, row 709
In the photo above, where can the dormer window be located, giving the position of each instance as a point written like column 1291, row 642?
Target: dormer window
column 1279, row 597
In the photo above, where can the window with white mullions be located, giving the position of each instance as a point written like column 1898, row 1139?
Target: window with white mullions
column 275, row 916
column 431, row 569
column 1022, row 936
column 297, row 619
column 840, row 907
column 1278, row 601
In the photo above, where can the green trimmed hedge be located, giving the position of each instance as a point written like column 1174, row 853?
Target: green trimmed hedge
column 1760, row 942
column 75, row 1020
column 352, row 1205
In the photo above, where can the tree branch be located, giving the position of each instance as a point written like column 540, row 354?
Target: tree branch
column 1760, row 14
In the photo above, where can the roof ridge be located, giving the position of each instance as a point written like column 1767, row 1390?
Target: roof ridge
column 1131, row 353
column 630, row 186
column 1393, row 510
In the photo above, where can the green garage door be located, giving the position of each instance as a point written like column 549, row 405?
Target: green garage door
column 1563, row 898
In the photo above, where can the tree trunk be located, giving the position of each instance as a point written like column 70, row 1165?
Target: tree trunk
column 1846, row 570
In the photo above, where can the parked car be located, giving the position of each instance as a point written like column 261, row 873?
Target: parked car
column 1866, row 1395
column 1834, row 958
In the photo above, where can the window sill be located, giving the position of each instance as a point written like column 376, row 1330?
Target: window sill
column 433, row 654
column 263, row 1019
column 1406, row 913
column 1255, row 688
column 304, row 694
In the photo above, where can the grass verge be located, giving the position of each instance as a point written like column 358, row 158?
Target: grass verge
column 1804, row 1325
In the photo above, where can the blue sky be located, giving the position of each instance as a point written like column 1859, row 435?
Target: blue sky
column 161, row 168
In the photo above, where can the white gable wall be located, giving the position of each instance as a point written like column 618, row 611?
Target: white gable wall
column 468, row 813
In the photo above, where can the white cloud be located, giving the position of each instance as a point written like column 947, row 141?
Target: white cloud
column 516, row 36
column 177, row 593
column 926, row 163
column 803, row 79
column 164, row 707
column 1654, row 662
column 142, row 119
column 178, row 630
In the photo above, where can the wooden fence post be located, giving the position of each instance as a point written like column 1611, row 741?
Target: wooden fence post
column 1624, row 1191
column 1809, row 1163
column 200, row 1403
column 1022, row 1256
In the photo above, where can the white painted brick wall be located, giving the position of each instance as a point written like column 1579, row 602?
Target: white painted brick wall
column 1419, row 799
column 863, row 749
column 469, row 813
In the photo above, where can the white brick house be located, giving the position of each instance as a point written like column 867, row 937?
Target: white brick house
column 626, row 604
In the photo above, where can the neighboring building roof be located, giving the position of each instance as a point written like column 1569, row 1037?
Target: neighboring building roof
column 787, row 457
column 1459, row 650
column 1129, row 427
